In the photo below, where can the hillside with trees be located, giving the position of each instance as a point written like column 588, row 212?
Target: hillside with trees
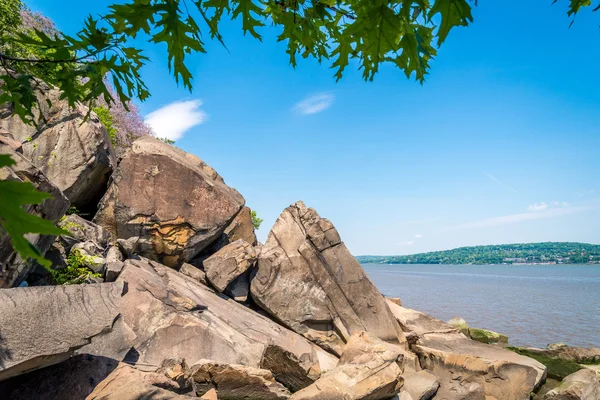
column 520, row 253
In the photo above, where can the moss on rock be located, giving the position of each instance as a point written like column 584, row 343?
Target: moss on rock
column 489, row 337
column 557, row 368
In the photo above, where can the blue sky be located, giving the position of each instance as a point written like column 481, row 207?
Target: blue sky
column 500, row 145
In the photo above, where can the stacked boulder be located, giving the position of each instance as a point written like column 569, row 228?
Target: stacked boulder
column 180, row 301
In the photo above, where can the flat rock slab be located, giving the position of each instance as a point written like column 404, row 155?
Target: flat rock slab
column 128, row 383
column 422, row 385
column 170, row 198
column 233, row 382
column 41, row 326
column 174, row 316
column 464, row 367
column 307, row 279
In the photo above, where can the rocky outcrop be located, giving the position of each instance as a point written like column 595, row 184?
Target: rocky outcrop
column 562, row 360
column 466, row 368
column 228, row 269
column 170, row 198
column 172, row 314
column 195, row 273
column 41, row 326
column 582, row 385
column 73, row 153
column 368, row 369
column 128, row 383
column 308, row 280
column 233, row 382
column 13, row 269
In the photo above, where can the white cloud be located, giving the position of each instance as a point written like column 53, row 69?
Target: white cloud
column 499, row 182
column 515, row 218
column 315, row 104
column 173, row 120
column 407, row 243
column 418, row 236
column 539, row 207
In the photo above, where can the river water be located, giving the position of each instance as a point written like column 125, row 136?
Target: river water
column 532, row 305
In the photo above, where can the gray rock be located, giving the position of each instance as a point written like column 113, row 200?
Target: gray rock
column 581, row 385
column 237, row 382
column 229, row 263
column 308, row 280
column 89, row 255
column 74, row 154
column 68, row 320
column 113, row 253
column 467, row 369
column 170, row 198
column 13, row 270
column 171, row 314
column 195, row 273
column 239, row 288
column 368, row 369
column 83, row 231
column 113, row 269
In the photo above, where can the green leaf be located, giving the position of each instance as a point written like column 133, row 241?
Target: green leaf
column 247, row 9
column 16, row 222
column 452, row 13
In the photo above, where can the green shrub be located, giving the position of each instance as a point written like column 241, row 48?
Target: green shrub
column 255, row 220
column 75, row 271
column 104, row 116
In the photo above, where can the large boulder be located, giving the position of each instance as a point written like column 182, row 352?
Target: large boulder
column 231, row 265
column 172, row 314
column 13, row 269
column 307, row 279
column 74, row 153
column 170, row 198
column 368, row 369
column 422, row 385
column 41, row 326
column 240, row 228
column 582, row 385
column 464, row 367
column 233, row 382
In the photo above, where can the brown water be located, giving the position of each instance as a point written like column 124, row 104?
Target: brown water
column 533, row 305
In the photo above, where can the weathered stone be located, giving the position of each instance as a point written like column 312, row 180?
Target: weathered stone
column 308, row 280
column 128, row 383
column 239, row 288
column 113, row 269
column 582, row 385
column 422, row 385
column 172, row 313
column 84, row 231
column 113, row 253
column 233, row 382
column 292, row 371
column 13, row 270
column 68, row 320
column 559, row 365
column 240, row 228
column 73, row 379
column 195, row 273
column 169, row 197
column 75, row 154
column 229, row 263
column 368, row 369
column 87, row 254
column 580, row 355
column 465, row 368
column 489, row 337
column 177, row 370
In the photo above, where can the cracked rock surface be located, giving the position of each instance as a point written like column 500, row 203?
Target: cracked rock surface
column 174, row 316
column 307, row 279
column 68, row 320
column 170, row 198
